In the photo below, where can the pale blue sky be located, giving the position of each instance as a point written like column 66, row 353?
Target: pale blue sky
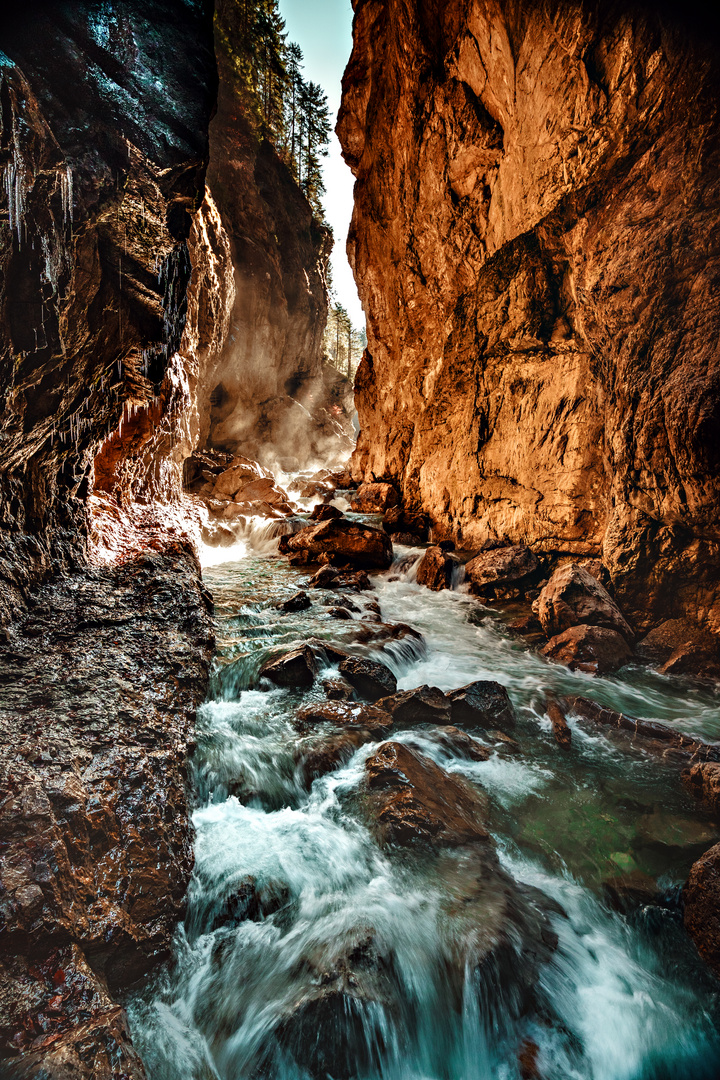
column 323, row 30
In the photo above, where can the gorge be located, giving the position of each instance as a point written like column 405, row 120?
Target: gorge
column 393, row 760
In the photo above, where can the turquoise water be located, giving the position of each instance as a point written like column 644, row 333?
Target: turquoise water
column 621, row 996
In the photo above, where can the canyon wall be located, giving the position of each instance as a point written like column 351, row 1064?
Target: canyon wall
column 270, row 373
column 104, row 111
column 535, row 241
column 103, row 150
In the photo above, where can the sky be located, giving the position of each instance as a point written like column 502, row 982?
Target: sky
column 323, row 30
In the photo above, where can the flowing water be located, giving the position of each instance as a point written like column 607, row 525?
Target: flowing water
column 307, row 951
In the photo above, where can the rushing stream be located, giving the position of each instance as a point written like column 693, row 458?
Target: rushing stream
column 292, row 897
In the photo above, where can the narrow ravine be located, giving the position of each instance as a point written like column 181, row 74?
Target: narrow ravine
column 309, row 950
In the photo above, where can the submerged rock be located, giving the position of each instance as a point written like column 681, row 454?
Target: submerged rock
column 572, row 597
column 484, row 704
column 371, row 679
column 435, row 569
column 649, row 735
column 459, row 742
column 411, row 799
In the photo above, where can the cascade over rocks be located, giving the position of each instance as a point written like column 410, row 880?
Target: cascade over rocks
column 530, row 244
column 435, row 569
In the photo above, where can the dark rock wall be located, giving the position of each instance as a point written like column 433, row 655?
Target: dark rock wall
column 103, row 148
column 535, row 242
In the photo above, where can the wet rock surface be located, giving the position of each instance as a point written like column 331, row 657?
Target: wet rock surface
column 98, row 218
column 100, row 683
column 483, row 703
column 424, row 705
column 412, row 800
column 296, row 669
column 505, row 571
column 371, row 679
column 594, row 649
column 435, row 569
column 701, row 899
column 348, row 542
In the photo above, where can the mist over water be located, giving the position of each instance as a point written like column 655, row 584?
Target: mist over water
column 291, row 896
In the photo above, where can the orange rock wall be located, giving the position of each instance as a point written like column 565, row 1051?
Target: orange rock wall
column 535, row 245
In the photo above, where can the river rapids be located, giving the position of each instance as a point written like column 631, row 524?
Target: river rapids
column 308, row 951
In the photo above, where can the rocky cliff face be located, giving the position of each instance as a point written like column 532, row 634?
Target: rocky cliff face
column 270, row 373
column 534, row 240
column 103, row 149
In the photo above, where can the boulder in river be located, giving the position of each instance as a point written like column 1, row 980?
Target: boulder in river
column 411, row 799
column 296, row 669
column 375, row 498
column 328, row 577
column 435, row 569
column 459, row 743
column 483, row 704
column 342, row 714
column 594, row 649
column 701, row 898
column 506, row 571
column 424, row 705
column 328, row 1028
column 325, row 512
column 349, row 541
column 574, row 597
column 371, row 679
column 300, row 601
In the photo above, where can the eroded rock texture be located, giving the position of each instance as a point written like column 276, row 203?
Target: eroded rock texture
column 535, row 244
column 105, row 112
column 100, row 682
column 270, row 396
column 103, row 146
